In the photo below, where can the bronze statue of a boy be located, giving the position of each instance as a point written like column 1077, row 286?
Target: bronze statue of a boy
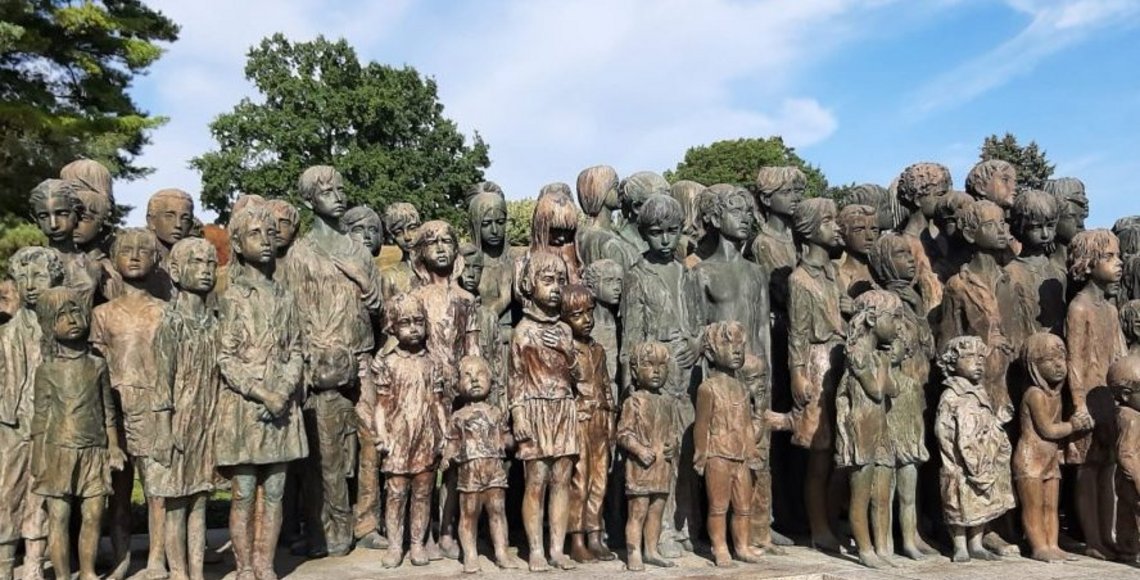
column 401, row 220
column 597, row 239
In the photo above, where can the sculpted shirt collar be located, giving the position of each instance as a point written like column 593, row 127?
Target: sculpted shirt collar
column 963, row 387
column 532, row 311
column 422, row 352
column 825, row 268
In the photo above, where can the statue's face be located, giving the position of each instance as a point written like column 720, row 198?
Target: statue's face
column 472, row 275
column 1134, row 332
column 662, row 239
column 1072, row 221
column 368, row 234
column 31, row 281
column 135, row 257
column 439, row 251
column 493, row 228
column 1054, row 365
column 89, row 226
column 993, row 233
column 650, row 375
column 1130, row 395
column 410, row 328
column 785, row 200
column 861, row 235
column 256, row 244
column 887, row 327
column 1001, row 188
column 1110, row 268
column 728, row 352
column 198, row 272
column 827, row 234
column 56, row 218
column 474, row 382
column 971, row 366
column 609, row 290
column 171, row 221
column 286, row 230
column 1037, row 233
column 405, row 235
column 580, row 320
column 329, row 201
column 70, row 322
column 736, row 219
column 547, row 288
column 903, row 262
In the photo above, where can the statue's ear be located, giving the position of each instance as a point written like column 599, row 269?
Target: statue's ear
column 969, row 233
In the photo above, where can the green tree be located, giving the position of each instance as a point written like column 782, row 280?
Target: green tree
column 65, row 66
column 737, row 161
column 519, row 214
column 15, row 234
column 382, row 127
column 1033, row 167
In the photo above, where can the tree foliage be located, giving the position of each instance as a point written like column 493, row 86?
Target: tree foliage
column 519, row 214
column 1033, row 168
column 737, row 161
column 65, row 67
column 382, row 127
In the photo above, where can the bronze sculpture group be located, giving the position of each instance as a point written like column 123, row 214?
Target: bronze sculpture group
column 619, row 377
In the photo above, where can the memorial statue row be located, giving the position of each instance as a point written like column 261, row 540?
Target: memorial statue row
column 906, row 337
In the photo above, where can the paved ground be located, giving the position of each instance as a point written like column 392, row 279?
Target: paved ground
column 799, row 564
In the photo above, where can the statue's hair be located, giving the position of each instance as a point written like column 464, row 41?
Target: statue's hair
column 311, row 180
column 26, row 257
column 722, row 333
column 1130, row 315
column 650, row 352
column 886, row 205
column 879, row 258
column 479, row 363
column 196, row 226
column 95, row 203
column 660, row 210
column 955, row 348
column 923, row 179
column 640, row 186
column 170, row 193
column 428, row 232
column 715, row 200
column 134, row 234
column 536, row 263
column 555, row 186
column 971, row 216
column 769, row 180
column 593, row 184
column 1129, row 242
column 1037, row 347
column 183, row 250
column 598, row 269
column 1066, row 188
column 553, row 210
column 470, row 252
column 478, row 207
column 281, row 208
column 951, row 204
column 856, row 213
column 810, row 213
column 1123, row 374
column 483, row 187
column 400, row 215
column 1033, row 205
column 1088, row 248
column 404, row 302
column 576, row 297
column 753, row 370
column 220, row 239
column 688, row 194
column 983, row 172
column 246, row 199
column 244, row 219
column 61, row 188
column 91, row 174
column 870, row 304
column 50, row 303
column 360, row 213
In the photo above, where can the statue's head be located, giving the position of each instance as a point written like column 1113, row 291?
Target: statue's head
column 64, row 316
column 577, row 310
column 482, row 187
column 877, row 312
column 253, row 235
column 57, row 208
column 363, row 225
column 91, row 175
column 947, row 210
column 886, row 206
column 472, row 268
column 814, row 222
column 891, row 260
column 194, row 265
column 729, row 211
column 401, row 221
column 921, row 185
column 544, row 276
column 780, row 189
column 659, row 223
column 406, row 319
column 321, row 190
column 983, row 226
column 1074, row 205
column 170, row 215
column 96, row 218
column 287, row 219
column 1033, row 218
column 436, row 251
column 1046, row 359
column 135, row 253
column 635, row 190
column 649, row 364
column 1130, row 321
column 688, row 194
column 487, row 214
column 965, row 357
column 993, row 180
column 598, row 190
column 1124, row 382
column 1094, row 255
column 555, row 219
column 33, row 270
column 726, row 344
column 604, row 279
column 475, row 379
column 860, row 227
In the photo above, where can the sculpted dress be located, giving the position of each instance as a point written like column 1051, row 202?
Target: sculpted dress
column 861, row 435
column 541, row 388
column 815, row 344
column 21, row 512
column 648, row 419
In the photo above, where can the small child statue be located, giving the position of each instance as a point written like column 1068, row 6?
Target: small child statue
column 604, row 279
column 860, row 227
column 410, row 419
column 596, row 408
column 862, row 436
column 401, row 222
column 1037, row 458
column 477, row 440
column 1130, row 325
column 186, row 353
column 75, row 443
column 1124, row 381
column 650, row 434
column 975, row 476
column 725, row 437
column 487, row 320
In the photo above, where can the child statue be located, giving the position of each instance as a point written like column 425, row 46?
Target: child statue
column 411, row 415
column 124, row 331
column 185, row 398
column 1094, row 339
column 288, row 221
column 975, row 475
column 1037, row 457
column 920, row 186
column 993, row 180
column 1130, row 325
column 649, row 434
column 553, row 229
column 364, row 226
column 597, row 240
column 31, row 270
column 1074, row 204
column 1124, row 381
column 952, row 251
column 725, row 436
column 259, row 428
column 75, row 443
column 170, row 215
column 604, row 279
column 57, row 210
column 488, row 220
column 778, row 191
column 688, row 194
column 596, row 410
column 543, row 372
column 477, row 439
column 401, row 220
column 633, row 192
column 886, row 204
column 860, row 227
column 487, row 321
column 862, row 436
column 1038, row 281
column 93, row 232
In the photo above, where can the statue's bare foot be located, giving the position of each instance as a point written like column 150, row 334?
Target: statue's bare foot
column 393, row 558
column 657, row 560
column 996, row 544
column 871, row 560
column 633, row 562
column 913, row 552
column 670, row 548
column 924, row 546
column 537, row 562
column 418, row 555
column 1043, row 555
column 507, row 561
column 983, row 554
column 470, row 564
column 723, row 559
column 747, row 554
column 562, row 561
column 826, row 543
column 960, row 556
column 449, row 548
column 372, row 541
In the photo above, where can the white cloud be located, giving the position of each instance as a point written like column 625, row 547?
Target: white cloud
column 1053, row 26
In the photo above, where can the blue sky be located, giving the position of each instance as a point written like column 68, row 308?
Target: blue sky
column 861, row 89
